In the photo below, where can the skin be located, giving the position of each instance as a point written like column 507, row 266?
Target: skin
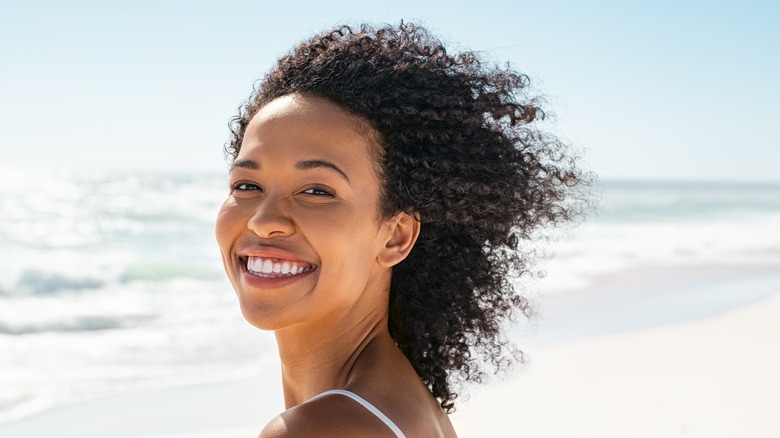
column 304, row 188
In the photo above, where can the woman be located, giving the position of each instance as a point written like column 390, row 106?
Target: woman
column 379, row 188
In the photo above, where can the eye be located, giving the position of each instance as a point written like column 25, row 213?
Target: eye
column 318, row 191
column 245, row 187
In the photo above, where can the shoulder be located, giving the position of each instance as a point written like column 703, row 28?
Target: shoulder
column 330, row 416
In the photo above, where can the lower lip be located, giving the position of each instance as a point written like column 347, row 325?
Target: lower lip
column 270, row 282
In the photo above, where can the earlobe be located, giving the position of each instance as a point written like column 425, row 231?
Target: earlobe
column 404, row 229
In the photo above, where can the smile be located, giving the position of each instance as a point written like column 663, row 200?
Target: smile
column 276, row 268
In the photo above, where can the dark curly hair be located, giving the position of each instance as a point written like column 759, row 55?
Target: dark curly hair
column 457, row 149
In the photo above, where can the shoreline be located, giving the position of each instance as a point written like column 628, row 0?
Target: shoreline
column 644, row 297
column 573, row 325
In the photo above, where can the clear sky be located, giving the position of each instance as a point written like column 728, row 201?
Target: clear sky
column 681, row 90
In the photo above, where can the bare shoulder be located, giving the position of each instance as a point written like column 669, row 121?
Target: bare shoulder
column 330, row 416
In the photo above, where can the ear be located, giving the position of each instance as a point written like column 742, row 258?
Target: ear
column 402, row 234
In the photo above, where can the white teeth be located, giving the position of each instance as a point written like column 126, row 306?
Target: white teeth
column 259, row 265
column 275, row 267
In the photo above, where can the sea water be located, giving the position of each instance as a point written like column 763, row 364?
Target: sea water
column 112, row 282
column 640, row 224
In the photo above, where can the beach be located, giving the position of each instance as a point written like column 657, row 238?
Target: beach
column 713, row 376
column 646, row 212
column 702, row 374
column 657, row 316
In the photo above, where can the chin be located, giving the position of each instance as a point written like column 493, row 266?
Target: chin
column 259, row 317
column 264, row 316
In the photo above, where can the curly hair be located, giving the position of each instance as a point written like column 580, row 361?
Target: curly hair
column 458, row 150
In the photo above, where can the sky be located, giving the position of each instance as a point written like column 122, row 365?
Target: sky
column 662, row 90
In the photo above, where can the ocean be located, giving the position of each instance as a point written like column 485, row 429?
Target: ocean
column 112, row 283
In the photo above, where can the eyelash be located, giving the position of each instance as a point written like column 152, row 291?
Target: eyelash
column 315, row 191
column 318, row 191
column 238, row 186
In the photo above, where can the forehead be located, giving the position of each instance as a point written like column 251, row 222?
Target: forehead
column 296, row 105
column 307, row 122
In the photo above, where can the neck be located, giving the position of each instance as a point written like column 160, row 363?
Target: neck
column 321, row 356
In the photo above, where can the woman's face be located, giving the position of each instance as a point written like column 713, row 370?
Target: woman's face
column 300, row 231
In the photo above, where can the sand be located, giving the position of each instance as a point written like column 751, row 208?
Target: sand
column 716, row 377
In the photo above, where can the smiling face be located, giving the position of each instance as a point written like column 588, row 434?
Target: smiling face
column 300, row 232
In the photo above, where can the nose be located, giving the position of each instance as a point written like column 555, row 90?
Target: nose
column 271, row 219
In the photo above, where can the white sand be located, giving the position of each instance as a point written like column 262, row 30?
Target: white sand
column 716, row 377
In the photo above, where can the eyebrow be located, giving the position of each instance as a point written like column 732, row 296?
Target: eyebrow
column 314, row 164
column 245, row 164
column 303, row 165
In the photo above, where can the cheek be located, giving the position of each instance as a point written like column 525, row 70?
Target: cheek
column 347, row 241
column 226, row 226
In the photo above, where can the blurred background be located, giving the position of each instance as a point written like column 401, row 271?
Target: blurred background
column 112, row 123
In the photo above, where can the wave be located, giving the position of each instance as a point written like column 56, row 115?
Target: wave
column 632, row 202
column 41, row 282
column 87, row 323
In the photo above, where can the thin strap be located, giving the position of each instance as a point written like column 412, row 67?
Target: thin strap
column 363, row 402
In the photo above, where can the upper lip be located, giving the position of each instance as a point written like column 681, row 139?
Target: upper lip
column 272, row 252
